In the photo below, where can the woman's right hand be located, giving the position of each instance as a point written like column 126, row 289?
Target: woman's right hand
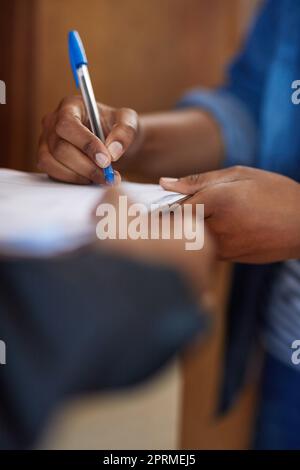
column 68, row 151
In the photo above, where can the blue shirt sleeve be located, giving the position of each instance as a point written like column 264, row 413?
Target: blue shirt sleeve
column 236, row 106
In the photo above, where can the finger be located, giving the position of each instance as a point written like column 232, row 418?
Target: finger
column 123, row 132
column 187, row 185
column 70, row 128
column 56, row 170
column 194, row 183
column 72, row 158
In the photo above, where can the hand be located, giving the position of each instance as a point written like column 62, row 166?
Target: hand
column 68, row 151
column 253, row 214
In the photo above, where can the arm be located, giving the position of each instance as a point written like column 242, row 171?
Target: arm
column 176, row 143
column 214, row 128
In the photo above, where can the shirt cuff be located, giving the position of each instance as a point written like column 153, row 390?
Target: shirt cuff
column 237, row 125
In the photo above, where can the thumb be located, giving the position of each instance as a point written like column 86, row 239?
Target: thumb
column 195, row 183
column 186, row 185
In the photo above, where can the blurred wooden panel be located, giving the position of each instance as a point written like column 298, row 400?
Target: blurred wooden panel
column 201, row 428
column 22, row 84
column 6, row 22
column 145, row 416
column 142, row 54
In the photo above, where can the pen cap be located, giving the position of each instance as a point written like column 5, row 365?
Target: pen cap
column 76, row 53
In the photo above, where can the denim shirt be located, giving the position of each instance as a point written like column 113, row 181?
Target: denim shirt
column 258, row 121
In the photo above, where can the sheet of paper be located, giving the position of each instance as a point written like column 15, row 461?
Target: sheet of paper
column 39, row 216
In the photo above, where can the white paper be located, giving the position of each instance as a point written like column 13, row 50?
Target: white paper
column 39, row 216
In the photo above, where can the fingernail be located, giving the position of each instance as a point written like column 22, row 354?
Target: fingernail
column 102, row 160
column 169, row 180
column 116, row 150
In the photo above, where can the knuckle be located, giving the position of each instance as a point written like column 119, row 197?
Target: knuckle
column 60, row 149
column 193, row 179
column 63, row 124
column 91, row 147
column 128, row 128
column 131, row 121
column 65, row 101
column 130, row 112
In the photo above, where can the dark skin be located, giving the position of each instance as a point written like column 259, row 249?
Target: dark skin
column 68, row 150
column 151, row 145
column 253, row 214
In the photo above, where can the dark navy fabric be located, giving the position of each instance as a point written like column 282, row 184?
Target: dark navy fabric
column 83, row 323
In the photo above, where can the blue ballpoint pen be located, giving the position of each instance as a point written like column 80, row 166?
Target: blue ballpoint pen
column 82, row 79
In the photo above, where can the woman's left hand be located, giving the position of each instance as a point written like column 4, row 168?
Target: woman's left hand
column 254, row 214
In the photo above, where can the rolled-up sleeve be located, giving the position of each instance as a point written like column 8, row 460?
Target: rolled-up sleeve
column 237, row 106
column 238, row 128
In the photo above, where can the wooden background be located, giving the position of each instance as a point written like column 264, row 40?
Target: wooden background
column 143, row 54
